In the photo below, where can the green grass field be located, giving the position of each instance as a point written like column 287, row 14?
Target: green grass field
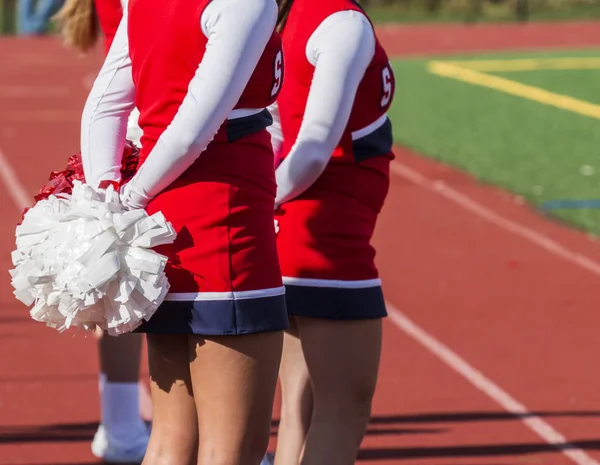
column 532, row 149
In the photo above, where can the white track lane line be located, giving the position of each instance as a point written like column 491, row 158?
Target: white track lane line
column 454, row 361
column 489, row 388
column 441, row 188
column 15, row 188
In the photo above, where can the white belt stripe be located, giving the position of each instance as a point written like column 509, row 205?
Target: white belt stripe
column 332, row 283
column 234, row 295
column 370, row 128
column 243, row 112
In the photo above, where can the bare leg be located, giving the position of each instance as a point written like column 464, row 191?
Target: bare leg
column 105, row 353
column 343, row 361
column 174, row 438
column 123, row 427
column 120, row 357
column 234, row 380
column 297, row 400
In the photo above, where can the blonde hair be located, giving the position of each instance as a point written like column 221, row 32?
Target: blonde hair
column 77, row 22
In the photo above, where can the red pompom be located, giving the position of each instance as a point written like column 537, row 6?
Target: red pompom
column 61, row 182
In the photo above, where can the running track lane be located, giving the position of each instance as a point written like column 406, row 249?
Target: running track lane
column 424, row 411
column 437, row 39
column 522, row 315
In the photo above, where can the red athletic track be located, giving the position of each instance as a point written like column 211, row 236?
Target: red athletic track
column 520, row 314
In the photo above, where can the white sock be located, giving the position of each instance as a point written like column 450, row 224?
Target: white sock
column 120, row 407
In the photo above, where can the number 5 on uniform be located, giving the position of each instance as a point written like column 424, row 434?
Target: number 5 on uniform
column 277, row 73
column 387, row 85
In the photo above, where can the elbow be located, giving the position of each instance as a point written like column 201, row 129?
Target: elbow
column 319, row 163
column 317, row 160
column 87, row 114
column 185, row 143
column 309, row 157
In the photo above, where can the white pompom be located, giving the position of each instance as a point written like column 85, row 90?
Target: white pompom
column 83, row 261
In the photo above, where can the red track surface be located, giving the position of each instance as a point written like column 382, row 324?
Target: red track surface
column 443, row 39
column 522, row 315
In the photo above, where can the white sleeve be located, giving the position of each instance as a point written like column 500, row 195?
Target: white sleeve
column 275, row 129
column 104, row 119
column 237, row 33
column 134, row 132
column 341, row 49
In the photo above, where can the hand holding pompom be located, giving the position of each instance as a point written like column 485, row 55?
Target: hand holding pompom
column 132, row 200
column 84, row 260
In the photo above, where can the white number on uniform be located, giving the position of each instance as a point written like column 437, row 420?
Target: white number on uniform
column 277, row 73
column 386, row 86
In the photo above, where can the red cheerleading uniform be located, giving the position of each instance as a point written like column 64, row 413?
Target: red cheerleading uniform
column 110, row 13
column 325, row 232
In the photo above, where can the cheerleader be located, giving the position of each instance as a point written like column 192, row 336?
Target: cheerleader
column 334, row 139
column 122, row 436
column 201, row 74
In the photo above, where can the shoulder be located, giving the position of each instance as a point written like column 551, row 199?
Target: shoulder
column 237, row 11
column 352, row 25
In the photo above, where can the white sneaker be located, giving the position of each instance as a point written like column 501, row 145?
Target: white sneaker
column 114, row 451
column 268, row 459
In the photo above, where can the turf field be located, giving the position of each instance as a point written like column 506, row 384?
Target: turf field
column 527, row 122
